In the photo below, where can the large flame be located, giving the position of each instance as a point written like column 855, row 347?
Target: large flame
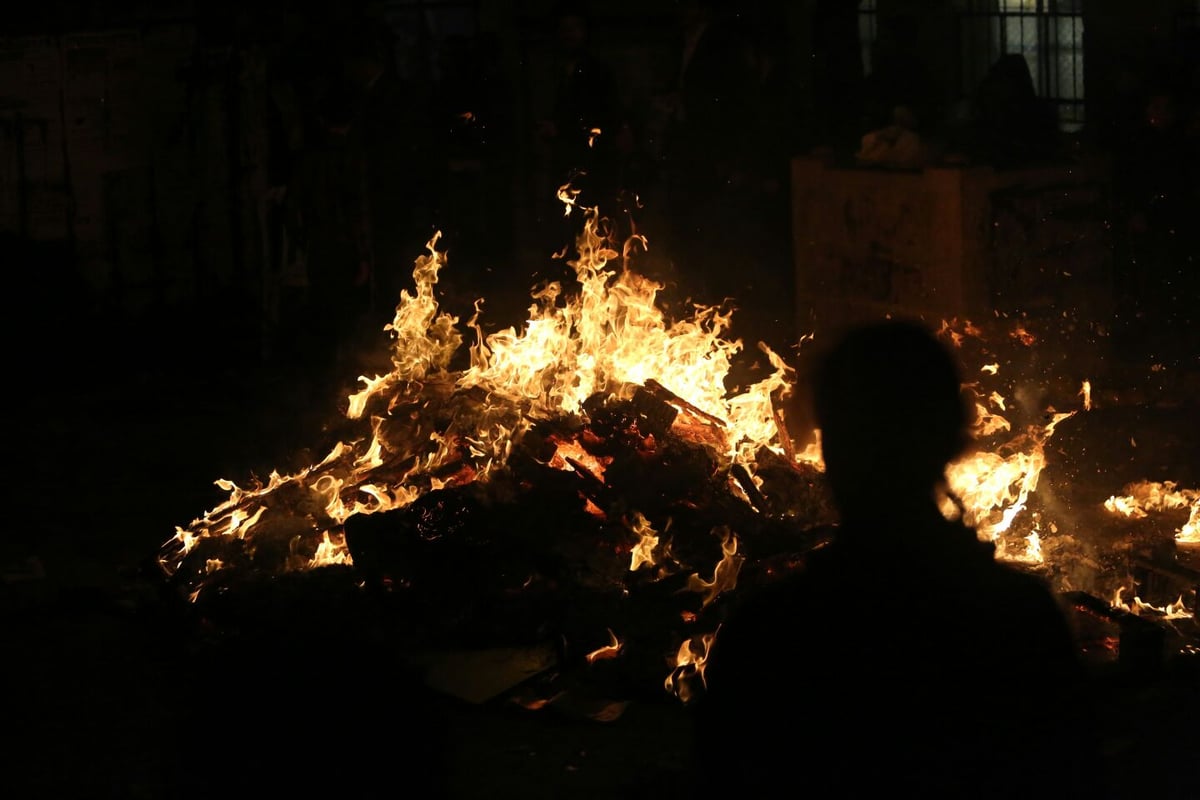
column 1143, row 498
column 990, row 486
column 608, row 337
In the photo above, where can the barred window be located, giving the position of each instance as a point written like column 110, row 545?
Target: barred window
column 1047, row 33
column 868, row 31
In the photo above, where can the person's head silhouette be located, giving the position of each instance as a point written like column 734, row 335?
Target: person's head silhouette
column 888, row 400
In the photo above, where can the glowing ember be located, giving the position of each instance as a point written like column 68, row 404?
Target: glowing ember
column 1023, row 336
column 949, row 329
column 571, row 454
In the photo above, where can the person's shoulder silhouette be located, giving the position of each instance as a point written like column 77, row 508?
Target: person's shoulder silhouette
column 902, row 646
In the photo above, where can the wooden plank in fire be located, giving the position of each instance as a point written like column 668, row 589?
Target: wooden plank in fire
column 1148, row 570
column 1141, row 641
column 665, row 394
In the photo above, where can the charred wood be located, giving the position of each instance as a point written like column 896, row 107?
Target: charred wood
column 1141, row 642
column 662, row 392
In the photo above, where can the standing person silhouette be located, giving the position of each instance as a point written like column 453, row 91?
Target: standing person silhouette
column 903, row 658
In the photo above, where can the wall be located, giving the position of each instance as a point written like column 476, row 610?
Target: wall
column 97, row 155
column 946, row 242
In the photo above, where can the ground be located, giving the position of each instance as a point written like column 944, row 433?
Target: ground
column 101, row 470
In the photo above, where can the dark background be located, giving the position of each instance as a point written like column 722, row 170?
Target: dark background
column 139, row 141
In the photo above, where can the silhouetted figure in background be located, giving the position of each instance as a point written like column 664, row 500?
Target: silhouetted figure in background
column 329, row 219
column 837, row 77
column 1010, row 125
column 1156, row 177
column 903, row 659
column 472, row 113
column 900, row 77
column 402, row 177
column 704, row 147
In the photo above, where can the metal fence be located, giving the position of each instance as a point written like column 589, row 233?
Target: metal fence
column 1047, row 33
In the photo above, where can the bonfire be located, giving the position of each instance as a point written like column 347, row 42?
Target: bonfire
column 596, row 452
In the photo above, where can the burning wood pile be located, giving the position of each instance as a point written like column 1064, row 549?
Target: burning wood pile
column 588, row 480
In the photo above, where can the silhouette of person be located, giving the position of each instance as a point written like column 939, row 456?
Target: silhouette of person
column 329, row 212
column 705, row 144
column 902, row 655
column 1012, row 125
column 1155, row 182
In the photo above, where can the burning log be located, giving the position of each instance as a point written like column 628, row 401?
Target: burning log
column 1140, row 642
column 792, row 489
column 745, row 481
column 1160, row 581
column 660, row 391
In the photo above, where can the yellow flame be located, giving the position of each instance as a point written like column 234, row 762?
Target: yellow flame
column 643, row 551
column 331, row 550
column 567, row 194
column 609, row 337
column 994, row 489
column 1086, row 393
column 725, row 575
column 1142, row 498
column 690, row 661
column 569, row 451
column 1032, row 552
column 1176, row 610
column 610, row 650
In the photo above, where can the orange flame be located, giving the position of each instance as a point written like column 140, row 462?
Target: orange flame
column 609, row 337
column 725, row 575
column 1144, row 497
column 1176, row 610
column 690, row 663
column 643, row 551
column 608, row 651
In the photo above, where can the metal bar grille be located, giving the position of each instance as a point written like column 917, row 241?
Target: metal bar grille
column 1047, row 33
column 868, row 31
